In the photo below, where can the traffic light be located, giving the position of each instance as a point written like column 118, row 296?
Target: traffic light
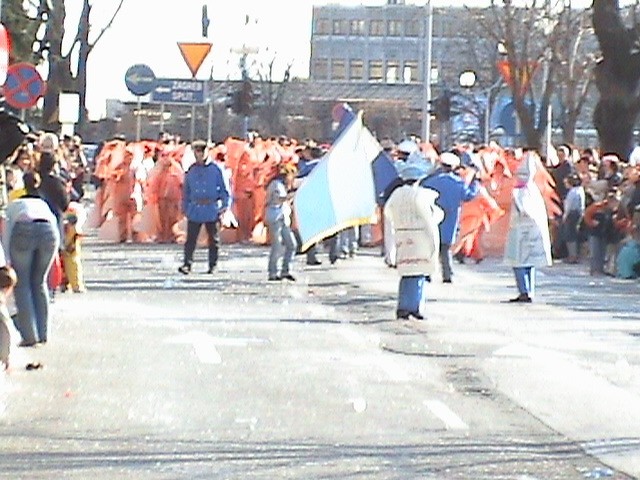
column 441, row 106
column 243, row 99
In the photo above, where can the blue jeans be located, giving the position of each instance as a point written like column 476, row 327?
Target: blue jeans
column 283, row 246
column 525, row 280
column 32, row 247
column 445, row 261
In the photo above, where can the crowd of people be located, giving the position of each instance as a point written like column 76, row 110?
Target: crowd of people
column 42, row 184
column 571, row 204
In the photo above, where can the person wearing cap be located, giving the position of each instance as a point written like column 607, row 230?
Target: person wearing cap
column 414, row 217
column 453, row 191
column 528, row 242
column 205, row 198
column 278, row 217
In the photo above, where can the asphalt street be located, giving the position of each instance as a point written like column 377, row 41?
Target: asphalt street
column 156, row 375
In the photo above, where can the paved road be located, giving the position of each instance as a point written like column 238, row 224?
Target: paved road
column 154, row 375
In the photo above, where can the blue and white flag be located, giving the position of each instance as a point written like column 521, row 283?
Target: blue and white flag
column 340, row 192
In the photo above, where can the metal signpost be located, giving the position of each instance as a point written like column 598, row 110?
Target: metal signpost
column 140, row 80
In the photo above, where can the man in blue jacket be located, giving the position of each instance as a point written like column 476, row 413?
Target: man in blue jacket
column 204, row 199
column 453, row 191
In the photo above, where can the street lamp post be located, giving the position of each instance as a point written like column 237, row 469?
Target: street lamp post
column 467, row 81
column 426, row 74
column 487, row 111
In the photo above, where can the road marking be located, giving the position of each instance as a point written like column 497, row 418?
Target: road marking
column 203, row 346
column 446, row 415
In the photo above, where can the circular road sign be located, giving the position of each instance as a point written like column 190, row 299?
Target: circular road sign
column 4, row 53
column 24, row 86
column 140, row 79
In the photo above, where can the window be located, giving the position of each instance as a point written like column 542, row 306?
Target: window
column 393, row 72
column 340, row 27
column 338, row 70
column 410, row 72
column 323, row 26
column 356, row 69
column 412, row 28
column 376, row 28
column 320, row 69
column 356, row 27
column 394, row 28
column 375, row 71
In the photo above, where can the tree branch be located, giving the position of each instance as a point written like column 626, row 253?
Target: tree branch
column 91, row 45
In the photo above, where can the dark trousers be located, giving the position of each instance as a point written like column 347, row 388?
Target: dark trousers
column 193, row 229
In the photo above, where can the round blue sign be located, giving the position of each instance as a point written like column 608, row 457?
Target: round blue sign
column 140, row 79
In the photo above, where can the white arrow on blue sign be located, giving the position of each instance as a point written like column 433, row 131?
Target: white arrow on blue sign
column 140, row 79
column 175, row 90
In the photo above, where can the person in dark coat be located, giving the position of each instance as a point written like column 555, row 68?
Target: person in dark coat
column 453, row 192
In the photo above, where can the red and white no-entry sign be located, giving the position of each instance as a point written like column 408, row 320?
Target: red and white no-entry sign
column 4, row 53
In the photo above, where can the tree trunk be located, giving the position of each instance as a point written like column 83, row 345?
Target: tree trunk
column 59, row 78
column 569, row 128
column 617, row 77
column 83, row 54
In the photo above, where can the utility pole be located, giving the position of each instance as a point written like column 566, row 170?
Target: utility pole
column 426, row 74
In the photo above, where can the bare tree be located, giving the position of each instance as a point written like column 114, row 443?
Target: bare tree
column 539, row 39
column 52, row 14
column 271, row 96
column 576, row 72
column 617, row 77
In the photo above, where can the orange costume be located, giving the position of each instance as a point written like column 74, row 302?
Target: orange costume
column 492, row 205
column 244, row 185
column 164, row 195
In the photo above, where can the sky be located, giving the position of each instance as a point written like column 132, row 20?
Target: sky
column 148, row 31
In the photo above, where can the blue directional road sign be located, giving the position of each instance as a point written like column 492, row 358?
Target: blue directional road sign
column 174, row 90
column 140, row 79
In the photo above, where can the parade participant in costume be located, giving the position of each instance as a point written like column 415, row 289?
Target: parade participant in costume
column 414, row 217
column 278, row 217
column 244, row 183
column 123, row 183
column 453, row 190
column 476, row 217
column 74, row 220
column 31, row 240
column 528, row 242
column 165, row 186
column 205, row 197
